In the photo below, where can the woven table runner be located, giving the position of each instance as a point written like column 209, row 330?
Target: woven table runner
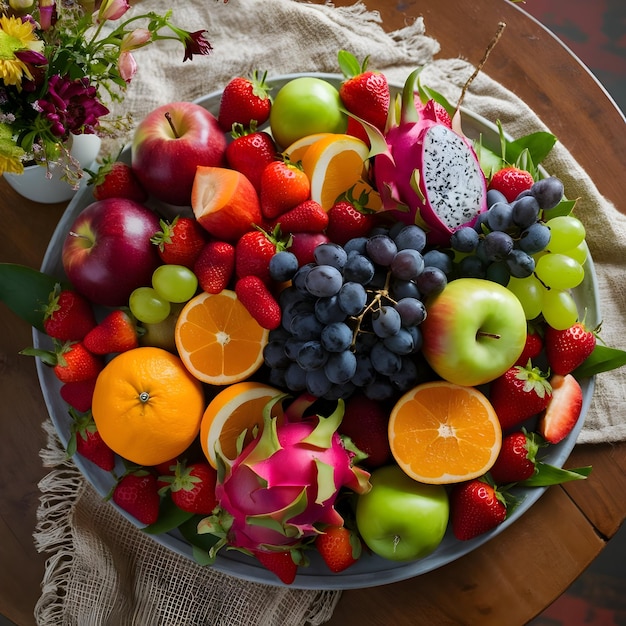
column 103, row 570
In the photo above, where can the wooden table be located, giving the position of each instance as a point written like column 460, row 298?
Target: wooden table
column 519, row 573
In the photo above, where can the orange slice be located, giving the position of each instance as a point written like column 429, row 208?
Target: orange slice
column 232, row 411
column 296, row 150
column 442, row 433
column 219, row 342
column 334, row 164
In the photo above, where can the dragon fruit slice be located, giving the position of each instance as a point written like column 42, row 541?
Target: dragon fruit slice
column 426, row 172
column 284, row 484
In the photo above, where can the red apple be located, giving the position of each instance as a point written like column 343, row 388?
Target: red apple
column 170, row 143
column 107, row 252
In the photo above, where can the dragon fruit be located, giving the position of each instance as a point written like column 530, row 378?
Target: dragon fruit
column 284, row 484
column 428, row 173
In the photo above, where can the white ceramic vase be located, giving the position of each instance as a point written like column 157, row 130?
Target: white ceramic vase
column 34, row 185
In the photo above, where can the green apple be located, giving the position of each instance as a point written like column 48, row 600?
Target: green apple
column 474, row 331
column 305, row 106
column 399, row 518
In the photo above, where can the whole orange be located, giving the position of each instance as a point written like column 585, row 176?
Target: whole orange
column 147, row 406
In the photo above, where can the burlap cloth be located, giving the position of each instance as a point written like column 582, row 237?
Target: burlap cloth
column 102, row 570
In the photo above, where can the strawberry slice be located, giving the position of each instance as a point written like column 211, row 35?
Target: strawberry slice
column 563, row 410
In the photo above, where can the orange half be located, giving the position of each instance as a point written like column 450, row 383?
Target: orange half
column 443, row 433
column 219, row 342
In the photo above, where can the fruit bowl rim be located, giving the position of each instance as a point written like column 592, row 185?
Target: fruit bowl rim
column 370, row 570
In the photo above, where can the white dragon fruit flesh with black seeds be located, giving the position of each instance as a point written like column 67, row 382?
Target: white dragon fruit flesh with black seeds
column 429, row 174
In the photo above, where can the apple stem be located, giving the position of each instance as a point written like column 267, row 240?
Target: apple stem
column 490, row 335
column 168, row 117
column 78, row 235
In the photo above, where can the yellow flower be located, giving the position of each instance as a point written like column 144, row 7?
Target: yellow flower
column 16, row 36
column 10, row 154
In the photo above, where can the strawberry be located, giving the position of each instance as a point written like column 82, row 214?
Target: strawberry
column 517, row 458
column 68, row 316
column 364, row 93
column 253, row 252
column 307, row 217
column 79, row 394
column 244, row 100
column 215, row 266
column 303, row 244
column 475, row 508
column 192, row 487
column 115, row 179
column 339, row 547
column 76, row 363
column 180, row 241
column 280, row 563
column 86, row 440
column 165, row 472
column 137, row 494
column 521, row 392
column 283, row 187
column 348, row 218
column 71, row 361
column 365, row 422
column 250, row 152
column 532, row 347
column 115, row 333
column 569, row 348
column 511, row 181
column 563, row 410
column 259, row 301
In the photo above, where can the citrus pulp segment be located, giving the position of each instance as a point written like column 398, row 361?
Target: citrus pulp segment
column 443, row 433
column 236, row 408
column 219, row 342
column 147, row 406
column 334, row 164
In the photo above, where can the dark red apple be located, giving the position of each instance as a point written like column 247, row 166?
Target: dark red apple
column 107, row 252
column 170, row 143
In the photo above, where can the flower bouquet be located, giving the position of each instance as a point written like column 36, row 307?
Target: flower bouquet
column 61, row 62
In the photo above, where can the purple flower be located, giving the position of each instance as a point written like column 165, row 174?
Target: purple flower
column 196, row 43
column 47, row 14
column 71, row 106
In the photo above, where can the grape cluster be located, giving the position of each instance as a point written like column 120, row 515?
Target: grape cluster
column 351, row 318
column 518, row 245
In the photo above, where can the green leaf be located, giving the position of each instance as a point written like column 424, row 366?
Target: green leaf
column 547, row 475
column 189, row 530
column 170, row 517
column 25, row 291
column 602, row 359
column 538, row 144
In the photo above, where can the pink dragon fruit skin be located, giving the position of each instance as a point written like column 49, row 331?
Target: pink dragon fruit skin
column 284, row 483
column 429, row 174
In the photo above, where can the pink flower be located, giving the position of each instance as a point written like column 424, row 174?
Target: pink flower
column 135, row 39
column 47, row 14
column 112, row 9
column 127, row 65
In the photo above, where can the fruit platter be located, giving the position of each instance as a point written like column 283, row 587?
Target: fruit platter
column 425, row 335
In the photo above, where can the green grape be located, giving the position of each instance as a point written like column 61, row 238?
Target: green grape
column 174, row 283
column 566, row 232
column 147, row 306
column 579, row 253
column 529, row 291
column 559, row 309
column 559, row 271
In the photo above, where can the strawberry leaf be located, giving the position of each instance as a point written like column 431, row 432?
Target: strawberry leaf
column 602, row 359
